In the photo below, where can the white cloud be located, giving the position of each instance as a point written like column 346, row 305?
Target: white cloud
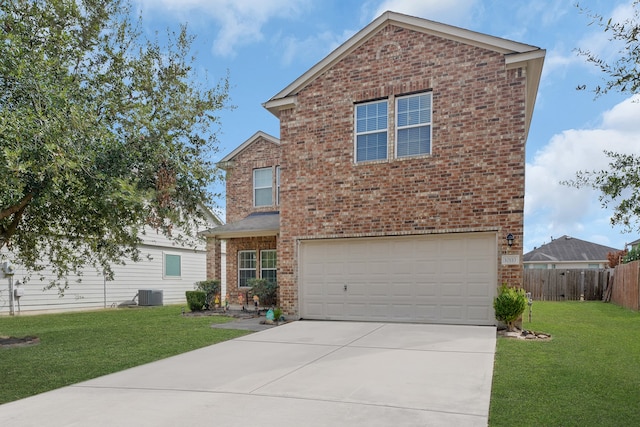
column 558, row 62
column 454, row 12
column 240, row 21
column 553, row 209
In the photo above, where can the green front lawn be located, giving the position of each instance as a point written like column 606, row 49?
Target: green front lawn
column 588, row 374
column 79, row 346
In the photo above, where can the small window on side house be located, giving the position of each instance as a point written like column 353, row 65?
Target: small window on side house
column 413, row 123
column 172, row 265
column 262, row 187
column 371, row 131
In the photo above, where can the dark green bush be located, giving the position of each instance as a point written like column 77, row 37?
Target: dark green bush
column 196, row 300
column 266, row 291
column 211, row 288
column 509, row 305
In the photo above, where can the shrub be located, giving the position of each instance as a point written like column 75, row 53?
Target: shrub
column 632, row 255
column 265, row 290
column 211, row 288
column 509, row 305
column 196, row 300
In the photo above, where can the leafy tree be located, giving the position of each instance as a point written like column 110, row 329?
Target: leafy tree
column 619, row 185
column 103, row 133
column 614, row 258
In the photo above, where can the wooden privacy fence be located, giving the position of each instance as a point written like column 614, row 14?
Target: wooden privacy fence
column 565, row 285
column 626, row 285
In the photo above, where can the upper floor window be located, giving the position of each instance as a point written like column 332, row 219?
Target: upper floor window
column 263, row 187
column 371, row 131
column 413, row 125
column 277, row 185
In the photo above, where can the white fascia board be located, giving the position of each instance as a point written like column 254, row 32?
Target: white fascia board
column 260, row 134
column 532, row 62
column 275, row 105
column 504, row 46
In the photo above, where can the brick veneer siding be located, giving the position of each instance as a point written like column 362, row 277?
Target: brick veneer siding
column 472, row 181
column 239, row 186
column 244, row 244
column 214, row 252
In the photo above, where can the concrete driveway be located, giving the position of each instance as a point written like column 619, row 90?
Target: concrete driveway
column 305, row 373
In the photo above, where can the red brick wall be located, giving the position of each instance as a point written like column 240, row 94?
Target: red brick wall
column 245, row 244
column 472, row 181
column 214, row 252
column 260, row 154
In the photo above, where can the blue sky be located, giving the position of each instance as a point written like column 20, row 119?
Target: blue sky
column 266, row 44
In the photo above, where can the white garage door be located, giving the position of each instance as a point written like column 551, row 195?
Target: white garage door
column 448, row 278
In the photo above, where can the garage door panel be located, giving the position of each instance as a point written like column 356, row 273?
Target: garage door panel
column 427, row 267
column 428, row 290
column 447, row 278
column 378, row 290
column 334, row 290
column 355, row 291
column 399, row 266
column 401, row 290
column 335, row 310
column 314, row 309
column 452, row 313
column 478, row 314
column 478, row 290
column 452, row 289
column 426, row 312
column 315, row 289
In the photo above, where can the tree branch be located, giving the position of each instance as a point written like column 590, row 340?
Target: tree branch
column 19, row 207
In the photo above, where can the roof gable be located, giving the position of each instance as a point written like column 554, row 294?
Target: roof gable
column 567, row 248
column 516, row 54
column 255, row 137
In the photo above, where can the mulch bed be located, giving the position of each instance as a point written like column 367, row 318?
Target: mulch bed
column 525, row 335
column 238, row 314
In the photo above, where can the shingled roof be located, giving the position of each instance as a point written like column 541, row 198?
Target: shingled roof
column 567, row 248
column 255, row 225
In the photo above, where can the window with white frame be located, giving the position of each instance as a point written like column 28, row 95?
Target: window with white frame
column 371, row 131
column 413, row 125
column 268, row 265
column 246, row 267
column 172, row 266
column 263, row 187
column 277, row 185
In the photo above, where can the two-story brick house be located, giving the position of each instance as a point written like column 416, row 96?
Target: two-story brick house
column 398, row 174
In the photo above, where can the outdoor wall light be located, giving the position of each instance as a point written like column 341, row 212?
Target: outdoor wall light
column 510, row 239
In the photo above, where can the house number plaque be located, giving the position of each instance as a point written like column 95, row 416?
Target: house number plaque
column 510, row 259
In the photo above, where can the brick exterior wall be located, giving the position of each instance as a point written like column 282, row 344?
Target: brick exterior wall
column 214, row 252
column 261, row 153
column 472, row 181
column 239, row 185
column 245, row 244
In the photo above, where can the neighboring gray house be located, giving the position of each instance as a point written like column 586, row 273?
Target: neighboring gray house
column 568, row 252
column 163, row 266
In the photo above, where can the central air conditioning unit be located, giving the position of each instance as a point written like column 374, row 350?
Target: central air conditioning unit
column 149, row 297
